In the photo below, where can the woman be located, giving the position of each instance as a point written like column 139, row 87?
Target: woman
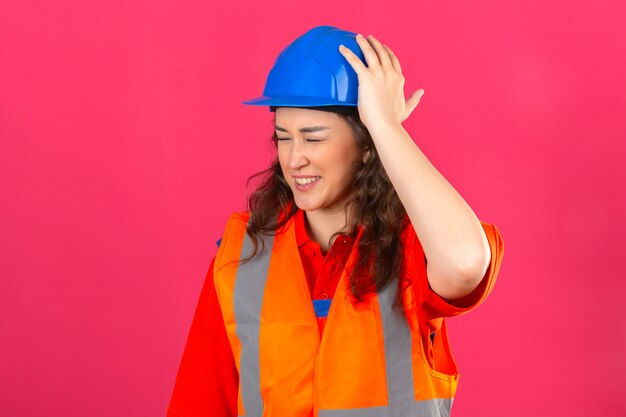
column 354, row 236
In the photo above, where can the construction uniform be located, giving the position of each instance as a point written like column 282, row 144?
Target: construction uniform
column 256, row 345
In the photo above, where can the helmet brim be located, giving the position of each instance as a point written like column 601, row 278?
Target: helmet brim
column 294, row 101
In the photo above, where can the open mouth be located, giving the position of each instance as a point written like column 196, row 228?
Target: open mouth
column 306, row 183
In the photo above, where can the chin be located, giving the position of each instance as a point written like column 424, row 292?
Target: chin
column 307, row 205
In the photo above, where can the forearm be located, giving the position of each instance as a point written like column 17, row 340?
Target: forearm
column 451, row 235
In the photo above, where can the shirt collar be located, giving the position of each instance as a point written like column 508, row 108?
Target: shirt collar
column 302, row 236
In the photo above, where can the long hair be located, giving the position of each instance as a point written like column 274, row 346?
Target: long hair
column 374, row 206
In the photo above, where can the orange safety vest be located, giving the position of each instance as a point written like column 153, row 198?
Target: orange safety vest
column 370, row 361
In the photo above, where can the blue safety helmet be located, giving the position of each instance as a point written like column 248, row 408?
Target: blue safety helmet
column 311, row 72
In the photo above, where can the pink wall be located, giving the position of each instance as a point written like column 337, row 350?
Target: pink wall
column 123, row 151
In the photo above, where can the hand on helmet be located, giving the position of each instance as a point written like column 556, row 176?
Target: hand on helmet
column 381, row 84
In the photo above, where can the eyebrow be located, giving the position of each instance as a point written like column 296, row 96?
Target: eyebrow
column 304, row 129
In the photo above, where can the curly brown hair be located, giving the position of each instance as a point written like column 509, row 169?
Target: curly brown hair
column 374, row 206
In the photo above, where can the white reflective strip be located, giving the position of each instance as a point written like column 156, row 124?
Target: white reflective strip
column 397, row 342
column 248, row 301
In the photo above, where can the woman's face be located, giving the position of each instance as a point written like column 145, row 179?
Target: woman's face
column 317, row 152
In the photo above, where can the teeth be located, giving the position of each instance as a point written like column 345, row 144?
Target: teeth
column 305, row 181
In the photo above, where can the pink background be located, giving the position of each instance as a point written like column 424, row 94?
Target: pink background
column 124, row 147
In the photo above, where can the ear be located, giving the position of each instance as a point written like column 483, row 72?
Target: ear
column 366, row 156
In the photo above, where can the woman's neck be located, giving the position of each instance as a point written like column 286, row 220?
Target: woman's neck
column 322, row 224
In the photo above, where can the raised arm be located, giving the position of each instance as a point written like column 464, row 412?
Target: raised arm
column 454, row 242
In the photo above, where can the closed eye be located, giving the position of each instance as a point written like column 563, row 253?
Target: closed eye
column 308, row 140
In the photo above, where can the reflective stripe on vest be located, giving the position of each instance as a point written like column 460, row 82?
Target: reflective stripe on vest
column 248, row 296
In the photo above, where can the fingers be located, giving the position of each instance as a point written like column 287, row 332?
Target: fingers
column 377, row 55
column 376, row 49
column 394, row 60
column 411, row 104
column 414, row 100
column 373, row 63
column 354, row 60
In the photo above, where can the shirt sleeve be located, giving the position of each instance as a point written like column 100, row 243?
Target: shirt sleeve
column 434, row 306
column 207, row 382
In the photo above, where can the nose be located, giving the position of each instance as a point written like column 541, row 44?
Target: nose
column 297, row 155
